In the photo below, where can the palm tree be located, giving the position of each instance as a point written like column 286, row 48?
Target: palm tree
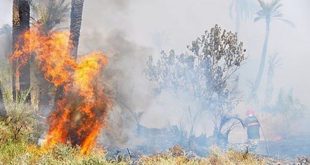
column 268, row 12
column 273, row 63
column 241, row 10
column 21, row 23
column 75, row 25
column 49, row 15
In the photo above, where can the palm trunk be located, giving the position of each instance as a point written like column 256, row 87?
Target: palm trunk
column 15, row 33
column 3, row 112
column 75, row 27
column 21, row 20
column 44, row 96
column 238, row 20
column 263, row 59
column 269, row 87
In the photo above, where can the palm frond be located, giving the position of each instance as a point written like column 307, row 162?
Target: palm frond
column 271, row 11
column 52, row 13
column 286, row 21
column 244, row 9
column 274, row 3
column 262, row 4
column 277, row 7
column 257, row 18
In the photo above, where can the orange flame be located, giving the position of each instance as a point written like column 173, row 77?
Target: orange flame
column 80, row 114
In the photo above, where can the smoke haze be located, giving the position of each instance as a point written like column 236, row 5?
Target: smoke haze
column 129, row 31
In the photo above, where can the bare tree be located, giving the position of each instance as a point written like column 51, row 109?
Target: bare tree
column 206, row 73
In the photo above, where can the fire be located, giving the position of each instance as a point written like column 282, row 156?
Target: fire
column 79, row 115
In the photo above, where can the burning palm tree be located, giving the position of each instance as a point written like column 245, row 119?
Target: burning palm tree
column 21, row 20
column 49, row 15
column 75, row 26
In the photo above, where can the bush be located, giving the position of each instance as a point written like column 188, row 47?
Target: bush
column 20, row 124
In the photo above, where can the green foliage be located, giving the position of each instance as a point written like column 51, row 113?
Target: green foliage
column 12, row 152
column 20, row 122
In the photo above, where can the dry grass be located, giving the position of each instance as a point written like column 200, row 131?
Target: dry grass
column 215, row 158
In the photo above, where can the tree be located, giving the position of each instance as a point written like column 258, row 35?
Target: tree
column 273, row 63
column 48, row 14
column 268, row 12
column 3, row 112
column 241, row 10
column 75, row 25
column 21, row 23
column 206, row 73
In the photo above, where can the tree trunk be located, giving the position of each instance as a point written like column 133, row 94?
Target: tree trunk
column 3, row 112
column 263, row 60
column 44, row 96
column 269, row 85
column 21, row 20
column 75, row 27
column 15, row 33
